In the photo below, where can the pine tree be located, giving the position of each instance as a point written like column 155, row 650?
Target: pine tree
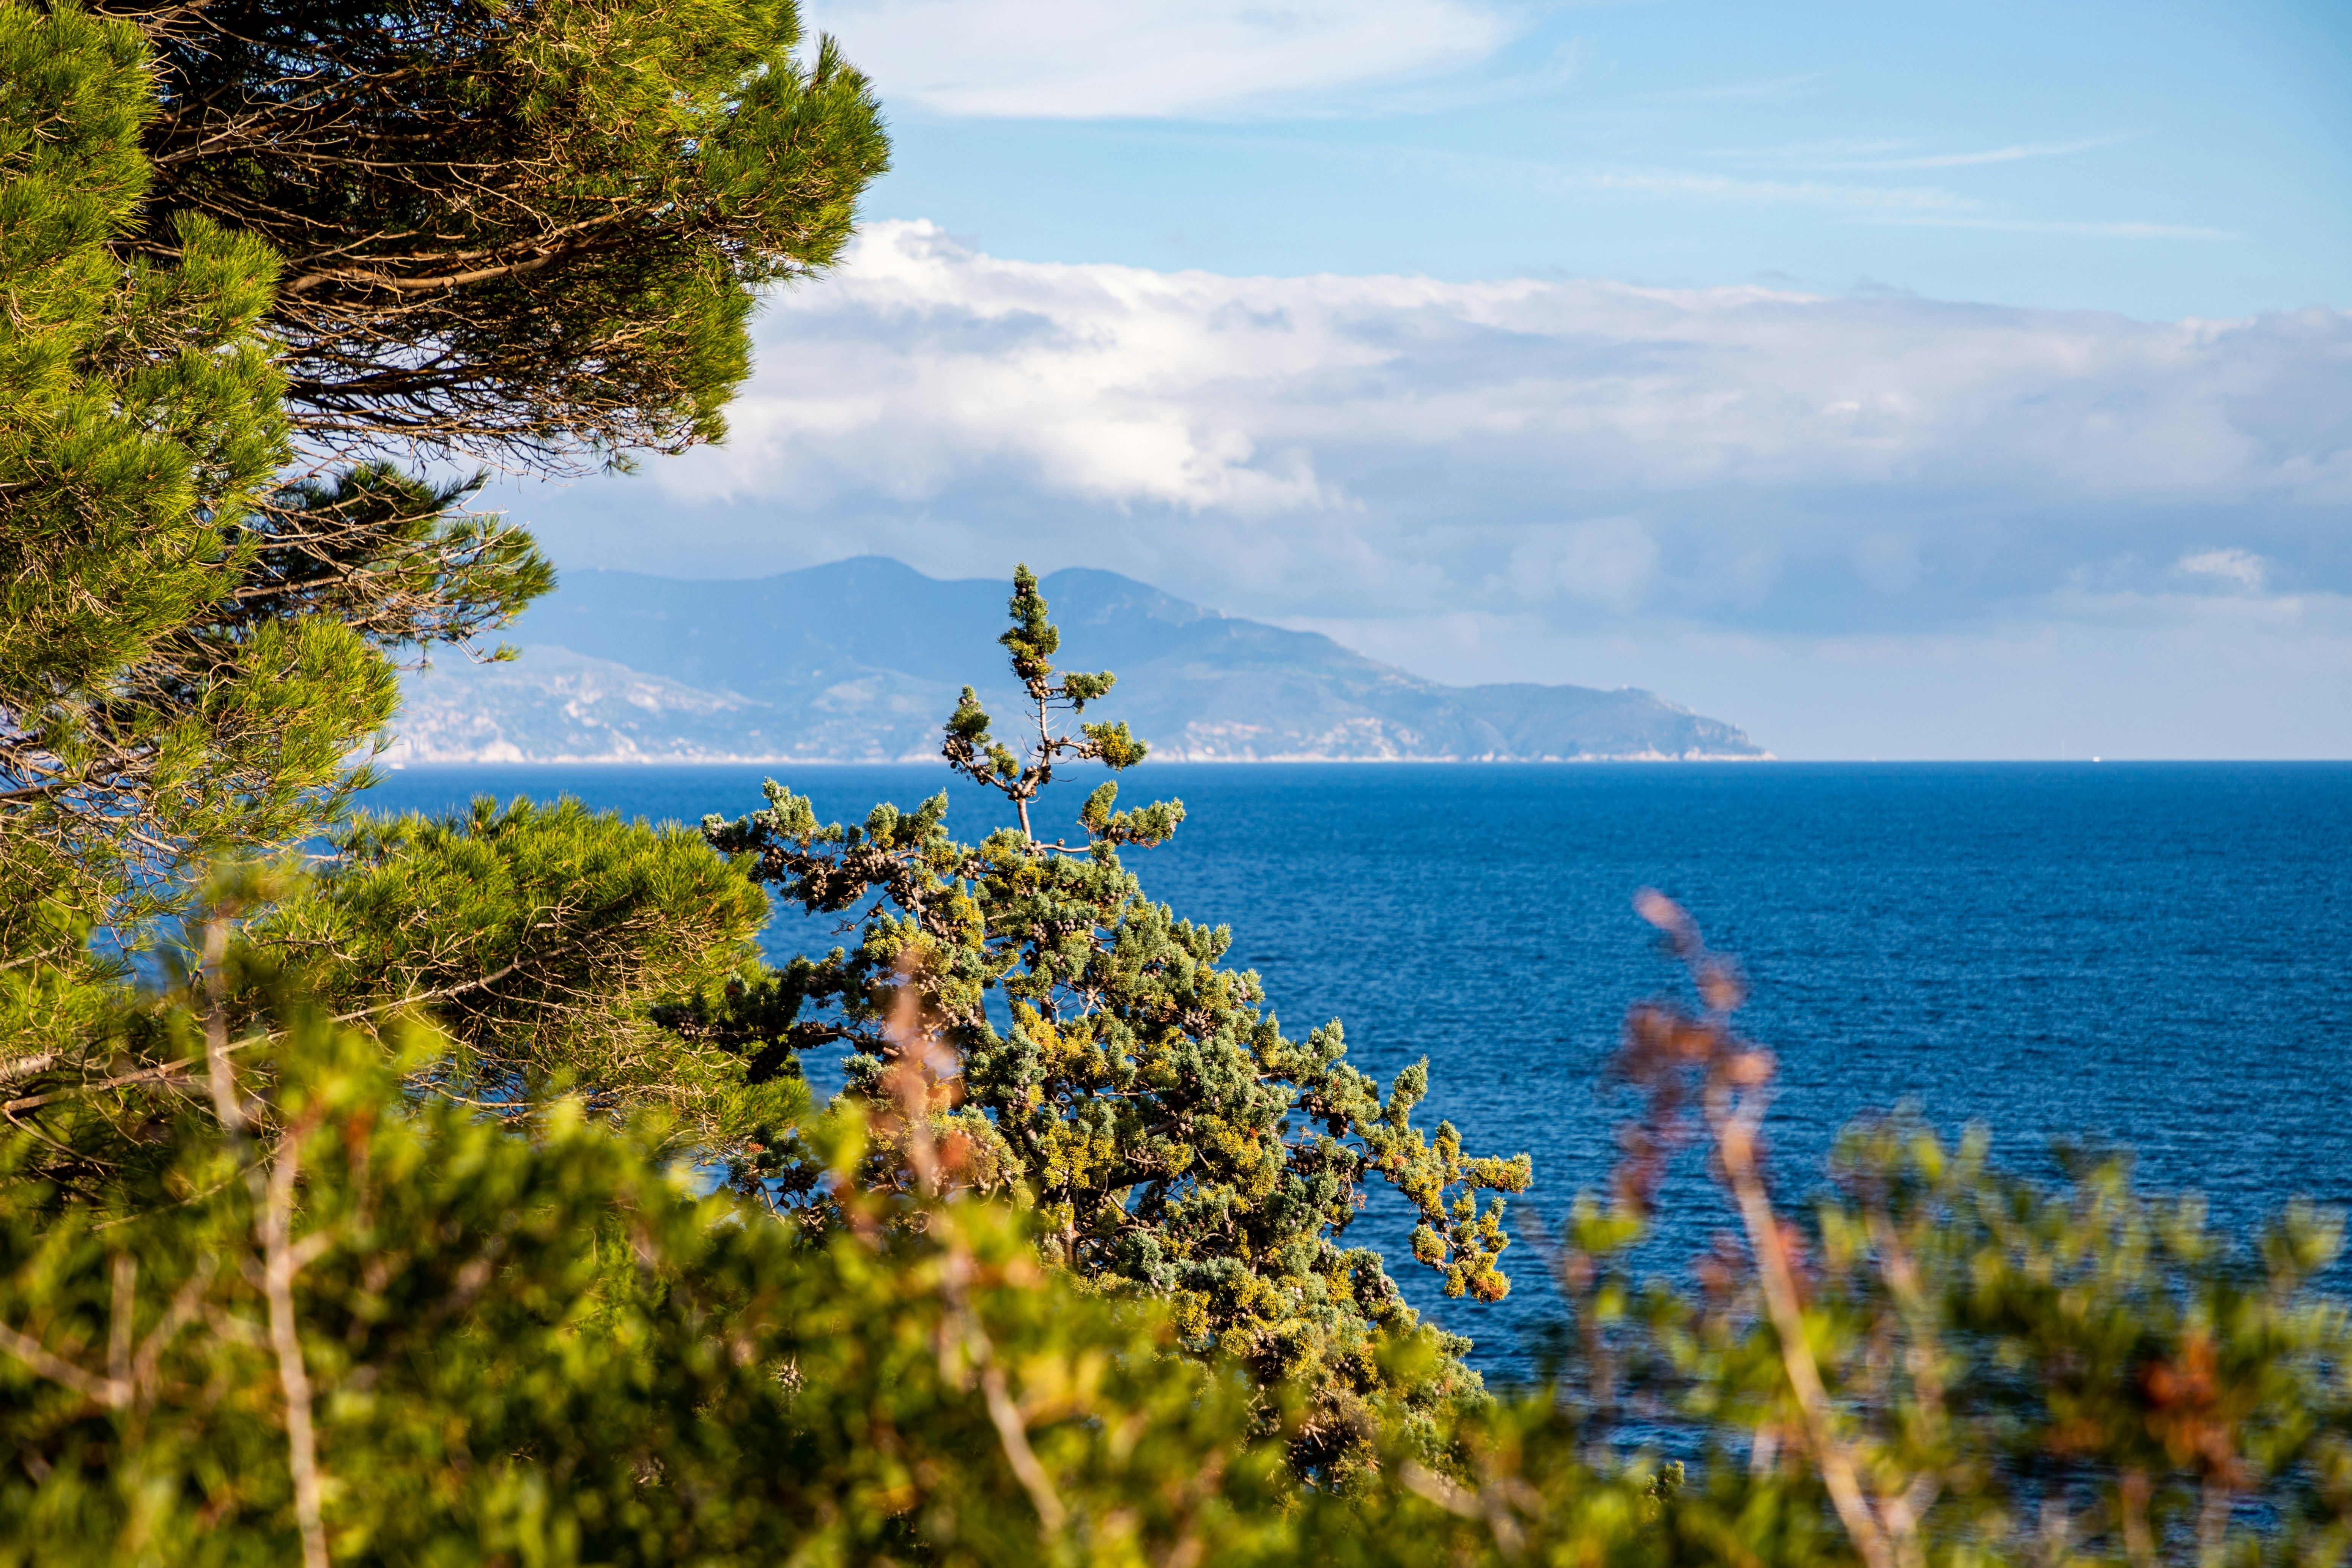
column 330, row 1323
column 255, row 259
column 255, row 254
column 1171, row 1141
column 140, row 722
column 561, row 951
column 280, row 1282
column 532, row 231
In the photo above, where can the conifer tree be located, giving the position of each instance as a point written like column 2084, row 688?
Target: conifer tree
column 256, row 253
column 255, row 258
column 142, row 717
column 561, row 951
column 279, row 1281
column 330, row 1323
column 530, row 231
column 1171, row 1141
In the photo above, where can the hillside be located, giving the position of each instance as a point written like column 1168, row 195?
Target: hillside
column 860, row 661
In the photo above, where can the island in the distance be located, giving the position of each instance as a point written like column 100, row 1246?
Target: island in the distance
column 862, row 659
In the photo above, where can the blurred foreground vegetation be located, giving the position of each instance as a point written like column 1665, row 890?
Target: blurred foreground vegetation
column 451, row 1194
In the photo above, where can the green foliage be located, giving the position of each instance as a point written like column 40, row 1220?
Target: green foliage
column 970, row 749
column 142, row 419
column 551, row 942
column 1945, row 1362
column 321, row 1313
column 190, row 654
column 1171, row 1140
column 138, row 724
column 395, row 559
column 2004, row 1371
column 2031, row 1369
column 514, row 229
column 371, row 1235
column 469, row 228
column 541, row 1348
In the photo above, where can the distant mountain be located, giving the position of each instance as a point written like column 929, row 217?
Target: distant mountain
column 861, row 660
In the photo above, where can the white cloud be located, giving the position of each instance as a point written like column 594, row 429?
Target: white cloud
column 2240, row 568
column 1753, row 459
column 925, row 363
column 1130, row 59
column 1700, row 187
column 1869, row 525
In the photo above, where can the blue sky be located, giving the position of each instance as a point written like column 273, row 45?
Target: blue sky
column 1893, row 381
column 2162, row 160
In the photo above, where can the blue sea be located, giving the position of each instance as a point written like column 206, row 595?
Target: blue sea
column 2147, row 954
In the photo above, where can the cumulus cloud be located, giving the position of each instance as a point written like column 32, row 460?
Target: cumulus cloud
column 1757, row 456
column 1128, row 58
column 1808, row 513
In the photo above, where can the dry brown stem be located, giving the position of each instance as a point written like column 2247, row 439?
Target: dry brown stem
column 1664, row 1046
column 280, row 1264
column 1879, row 1546
column 922, row 1063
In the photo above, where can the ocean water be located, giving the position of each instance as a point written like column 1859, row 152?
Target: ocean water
column 2154, row 955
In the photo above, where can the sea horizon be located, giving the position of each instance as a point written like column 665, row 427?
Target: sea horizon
column 2138, row 954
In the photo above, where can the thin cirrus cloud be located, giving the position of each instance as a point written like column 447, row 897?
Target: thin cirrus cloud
column 2092, row 228
column 1084, row 59
column 1768, row 87
column 1699, row 185
column 1779, row 462
column 2012, row 155
column 2239, row 569
column 1840, row 201
column 1888, row 157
